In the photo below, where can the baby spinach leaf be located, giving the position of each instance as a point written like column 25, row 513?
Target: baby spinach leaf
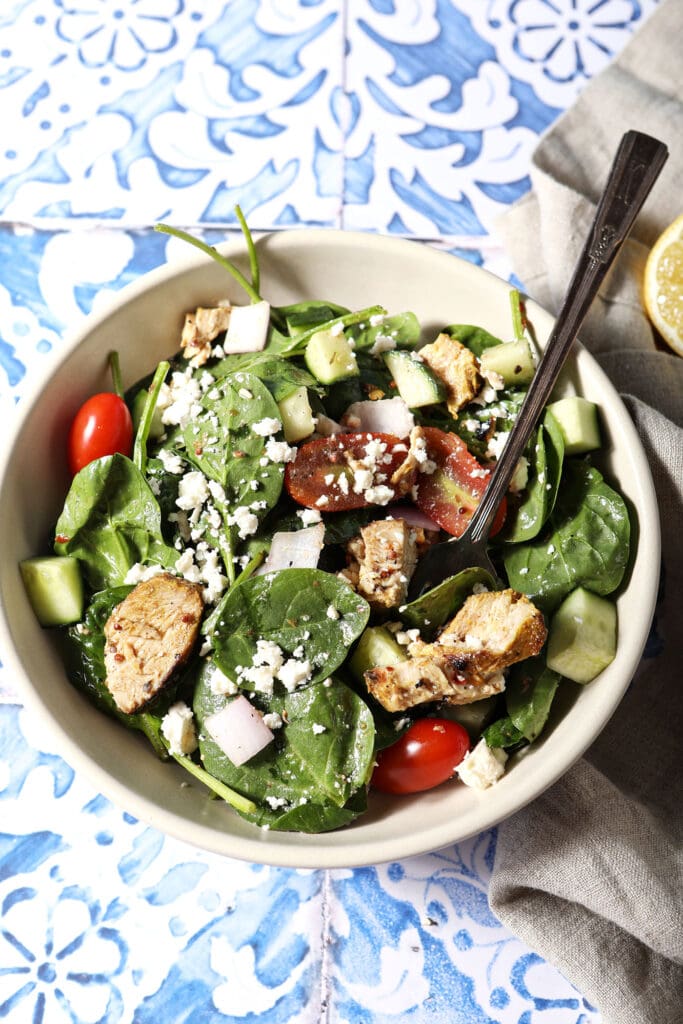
column 476, row 339
column 403, row 329
column 545, row 455
column 585, row 542
column 111, row 520
column 476, row 424
column 223, row 444
column 307, row 778
column 503, row 733
column 300, row 316
column 529, row 694
column 291, row 609
column 281, row 376
column 431, row 610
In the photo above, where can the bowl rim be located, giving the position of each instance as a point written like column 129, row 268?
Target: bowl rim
column 343, row 849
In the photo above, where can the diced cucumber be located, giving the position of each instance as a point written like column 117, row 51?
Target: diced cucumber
column 474, row 717
column 297, row 416
column 582, row 640
column 376, row 647
column 54, row 587
column 512, row 360
column 417, row 383
column 330, row 357
column 577, row 419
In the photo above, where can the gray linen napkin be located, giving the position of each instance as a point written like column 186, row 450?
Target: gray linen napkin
column 591, row 873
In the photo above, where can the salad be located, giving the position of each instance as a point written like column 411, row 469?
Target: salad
column 232, row 565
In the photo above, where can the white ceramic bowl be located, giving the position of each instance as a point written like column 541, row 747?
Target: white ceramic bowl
column 143, row 324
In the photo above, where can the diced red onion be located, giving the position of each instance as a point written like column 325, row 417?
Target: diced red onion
column 385, row 416
column 413, row 517
column 248, row 328
column 239, row 730
column 296, row 549
column 327, row 427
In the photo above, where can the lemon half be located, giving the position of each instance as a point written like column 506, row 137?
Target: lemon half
column 663, row 285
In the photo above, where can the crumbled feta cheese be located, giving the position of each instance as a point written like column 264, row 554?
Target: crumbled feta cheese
column 178, row 729
column 139, row 572
column 171, row 461
column 380, row 495
column 309, row 516
column 193, row 490
column 245, row 521
column 294, row 672
column 279, row 451
column 267, row 426
column 317, row 728
column 273, row 720
column 496, row 444
column 483, row 766
column 219, row 682
column 332, row 612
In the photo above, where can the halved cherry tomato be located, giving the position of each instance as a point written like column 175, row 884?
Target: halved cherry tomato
column 102, row 426
column 426, row 755
column 329, row 468
column 451, row 493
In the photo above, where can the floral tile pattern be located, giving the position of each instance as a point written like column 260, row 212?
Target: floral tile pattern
column 415, row 118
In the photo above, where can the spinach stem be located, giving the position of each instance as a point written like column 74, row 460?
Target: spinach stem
column 209, row 250
column 251, row 249
column 346, row 320
column 236, row 800
column 116, row 379
column 140, row 446
column 517, row 316
column 250, row 568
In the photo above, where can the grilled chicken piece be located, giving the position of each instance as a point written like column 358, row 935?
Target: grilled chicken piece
column 148, row 636
column 200, row 329
column 490, row 632
column 458, row 369
column 381, row 561
column 416, row 461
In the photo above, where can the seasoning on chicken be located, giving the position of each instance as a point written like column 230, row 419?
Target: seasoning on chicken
column 458, row 369
column 381, row 561
column 200, row 329
column 148, row 636
column 491, row 631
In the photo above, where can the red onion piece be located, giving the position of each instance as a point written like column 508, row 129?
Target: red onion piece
column 298, row 549
column 385, row 416
column 239, row 730
column 413, row 517
column 248, row 328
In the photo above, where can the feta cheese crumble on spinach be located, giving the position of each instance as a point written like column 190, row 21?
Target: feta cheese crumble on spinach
column 214, row 476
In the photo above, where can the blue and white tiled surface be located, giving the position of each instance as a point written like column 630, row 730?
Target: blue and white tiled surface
column 414, row 117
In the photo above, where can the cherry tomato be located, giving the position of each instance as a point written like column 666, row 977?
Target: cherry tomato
column 102, row 426
column 451, row 493
column 329, row 468
column 426, row 755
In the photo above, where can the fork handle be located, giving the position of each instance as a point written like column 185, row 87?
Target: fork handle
column 636, row 166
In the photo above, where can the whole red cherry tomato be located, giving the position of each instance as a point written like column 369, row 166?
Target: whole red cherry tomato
column 426, row 755
column 102, row 426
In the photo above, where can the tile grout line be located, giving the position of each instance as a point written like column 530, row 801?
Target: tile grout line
column 326, row 939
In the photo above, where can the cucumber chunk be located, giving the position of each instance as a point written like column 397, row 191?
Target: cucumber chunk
column 577, row 419
column 330, row 357
column 582, row 640
column 297, row 416
column 376, row 647
column 474, row 717
column 54, row 587
column 417, row 383
column 512, row 360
